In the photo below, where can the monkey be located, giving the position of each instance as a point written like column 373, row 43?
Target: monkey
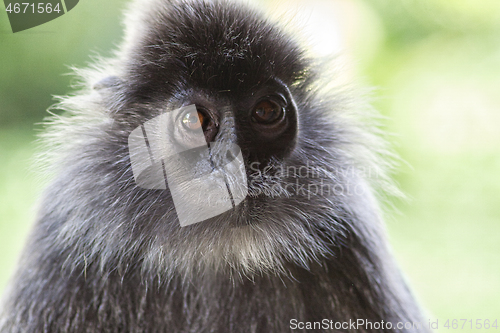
column 303, row 248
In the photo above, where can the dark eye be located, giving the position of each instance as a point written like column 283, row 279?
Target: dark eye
column 193, row 120
column 203, row 119
column 267, row 112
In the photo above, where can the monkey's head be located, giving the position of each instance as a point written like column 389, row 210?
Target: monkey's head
column 252, row 88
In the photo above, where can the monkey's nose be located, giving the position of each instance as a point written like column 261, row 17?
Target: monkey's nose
column 209, row 123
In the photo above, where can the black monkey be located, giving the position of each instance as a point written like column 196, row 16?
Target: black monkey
column 306, row 245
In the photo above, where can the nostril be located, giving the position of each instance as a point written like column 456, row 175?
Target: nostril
column 209, row 124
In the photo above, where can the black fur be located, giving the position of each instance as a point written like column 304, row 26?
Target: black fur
column 108, row 256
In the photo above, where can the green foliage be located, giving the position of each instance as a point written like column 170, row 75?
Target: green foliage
column 18, row 189
column 33, row 62
column 439, row 72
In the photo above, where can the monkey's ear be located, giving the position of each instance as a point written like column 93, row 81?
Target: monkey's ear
column 110, row 82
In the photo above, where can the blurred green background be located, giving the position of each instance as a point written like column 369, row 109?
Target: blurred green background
column 436, row 68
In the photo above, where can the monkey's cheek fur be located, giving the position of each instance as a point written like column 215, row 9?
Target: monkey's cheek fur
column 263, row 234
column 244, row 241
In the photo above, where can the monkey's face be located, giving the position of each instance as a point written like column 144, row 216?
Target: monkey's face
column 250, row 85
